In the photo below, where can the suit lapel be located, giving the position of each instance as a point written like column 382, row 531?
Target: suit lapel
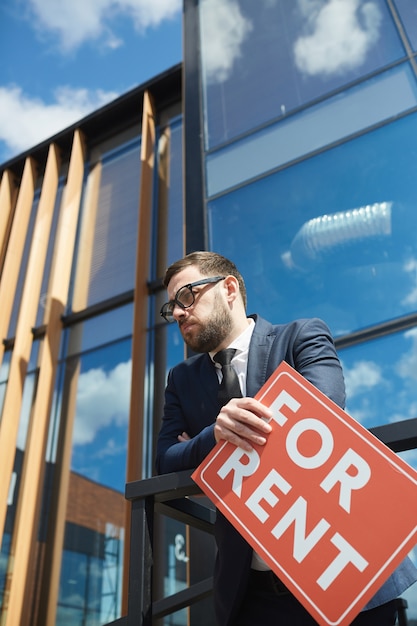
column 259, row 351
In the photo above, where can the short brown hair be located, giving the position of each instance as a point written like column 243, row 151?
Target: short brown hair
column 209, row 264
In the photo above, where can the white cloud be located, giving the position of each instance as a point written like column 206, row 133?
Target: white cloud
column 410, row 268
column 25, row 121
column 111, row 449
column 223, row 30
column 407, row 365
column 364, row 375
column 77, row 21
column 103, row 399
column 340, row 35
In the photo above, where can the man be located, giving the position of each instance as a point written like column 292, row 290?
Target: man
column 207, row 299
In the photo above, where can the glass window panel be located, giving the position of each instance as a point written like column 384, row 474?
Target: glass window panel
column 102, row 411
column 91, row 574
column 408, row 13
column 371, row 102
column 175, row 244
column 175, row 559
column 115, row 233
column 305, row 51
column 333, row 236
column 381, row 379
column 100, row 329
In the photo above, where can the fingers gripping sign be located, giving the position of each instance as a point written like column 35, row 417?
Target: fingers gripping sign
column 243, row 422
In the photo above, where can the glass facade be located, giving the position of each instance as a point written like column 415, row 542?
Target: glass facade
column 305, row 51
column 77, row 566
column 309, row 118
column 308, row 125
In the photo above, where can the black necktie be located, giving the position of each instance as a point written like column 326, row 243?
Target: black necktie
column 229, row 387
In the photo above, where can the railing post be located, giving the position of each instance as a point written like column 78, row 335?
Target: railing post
column 141, row 563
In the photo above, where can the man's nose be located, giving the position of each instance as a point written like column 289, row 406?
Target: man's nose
column 178, row 312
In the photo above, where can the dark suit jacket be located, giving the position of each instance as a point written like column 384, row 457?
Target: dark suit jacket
column 191, row 405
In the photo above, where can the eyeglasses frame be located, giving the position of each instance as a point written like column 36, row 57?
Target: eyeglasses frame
column 203, row 281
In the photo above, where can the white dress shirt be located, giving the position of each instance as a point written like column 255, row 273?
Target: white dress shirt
column 240, row 365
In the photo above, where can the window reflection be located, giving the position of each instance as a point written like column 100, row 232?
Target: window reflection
column 90, row 584
column 381, row 380
column 97, row 388
column 334, row 236
column 306, row 50
column 380, row 98
column 107, row 243
column 408, row 13
column 175, row 195
column 101, row 329
column 101, row 417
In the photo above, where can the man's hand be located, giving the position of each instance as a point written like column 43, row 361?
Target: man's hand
column 243, row 421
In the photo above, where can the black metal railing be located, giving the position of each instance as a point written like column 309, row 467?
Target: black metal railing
column 170, row 495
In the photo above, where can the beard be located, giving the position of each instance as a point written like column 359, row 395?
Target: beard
column 214, row 331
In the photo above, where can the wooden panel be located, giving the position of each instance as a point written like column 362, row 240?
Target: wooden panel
column 140, row 317
column 25, row 531
column 14, row 252
column 8, row 193
column 32, row 484
column 26, row 320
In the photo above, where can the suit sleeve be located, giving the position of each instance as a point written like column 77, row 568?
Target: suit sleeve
column 313, row 354
column 183, row 413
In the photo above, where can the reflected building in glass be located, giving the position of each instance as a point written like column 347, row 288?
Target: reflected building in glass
column 286, row 141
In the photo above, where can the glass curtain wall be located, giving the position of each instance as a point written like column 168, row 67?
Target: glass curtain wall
column 110, row 208
column 92, row 411
column 310, row 126
column 170, row 535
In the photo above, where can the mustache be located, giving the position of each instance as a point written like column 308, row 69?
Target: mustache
column 188, row 320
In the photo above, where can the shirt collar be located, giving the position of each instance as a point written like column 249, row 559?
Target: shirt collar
column 241, row 343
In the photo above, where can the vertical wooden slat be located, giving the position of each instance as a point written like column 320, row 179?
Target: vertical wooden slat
column 56, row 530
column 56, row 304
column 8, row 191
column 10, row 421
column 25, row 530
column 140, row 316
column 86, row 243
column 13, row 258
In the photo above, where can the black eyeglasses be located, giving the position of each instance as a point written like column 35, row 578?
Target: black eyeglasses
column 185, row 297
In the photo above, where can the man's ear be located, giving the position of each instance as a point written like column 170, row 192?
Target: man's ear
column 231, row 285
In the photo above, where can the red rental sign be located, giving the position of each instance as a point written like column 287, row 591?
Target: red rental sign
column 330, row 508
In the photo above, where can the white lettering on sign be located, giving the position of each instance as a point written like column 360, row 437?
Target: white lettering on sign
column 283, row 399
column 348, row 482
column 326, row 448
column 351, row 471
column 347, row 555
column 240, row 470
column 263, row 492
column 303, row 543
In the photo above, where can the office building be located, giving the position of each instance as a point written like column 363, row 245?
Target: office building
column 286, row 140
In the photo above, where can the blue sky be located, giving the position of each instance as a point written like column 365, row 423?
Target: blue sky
column 62, row 59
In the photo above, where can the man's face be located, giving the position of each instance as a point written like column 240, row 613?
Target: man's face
column 207, row 323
